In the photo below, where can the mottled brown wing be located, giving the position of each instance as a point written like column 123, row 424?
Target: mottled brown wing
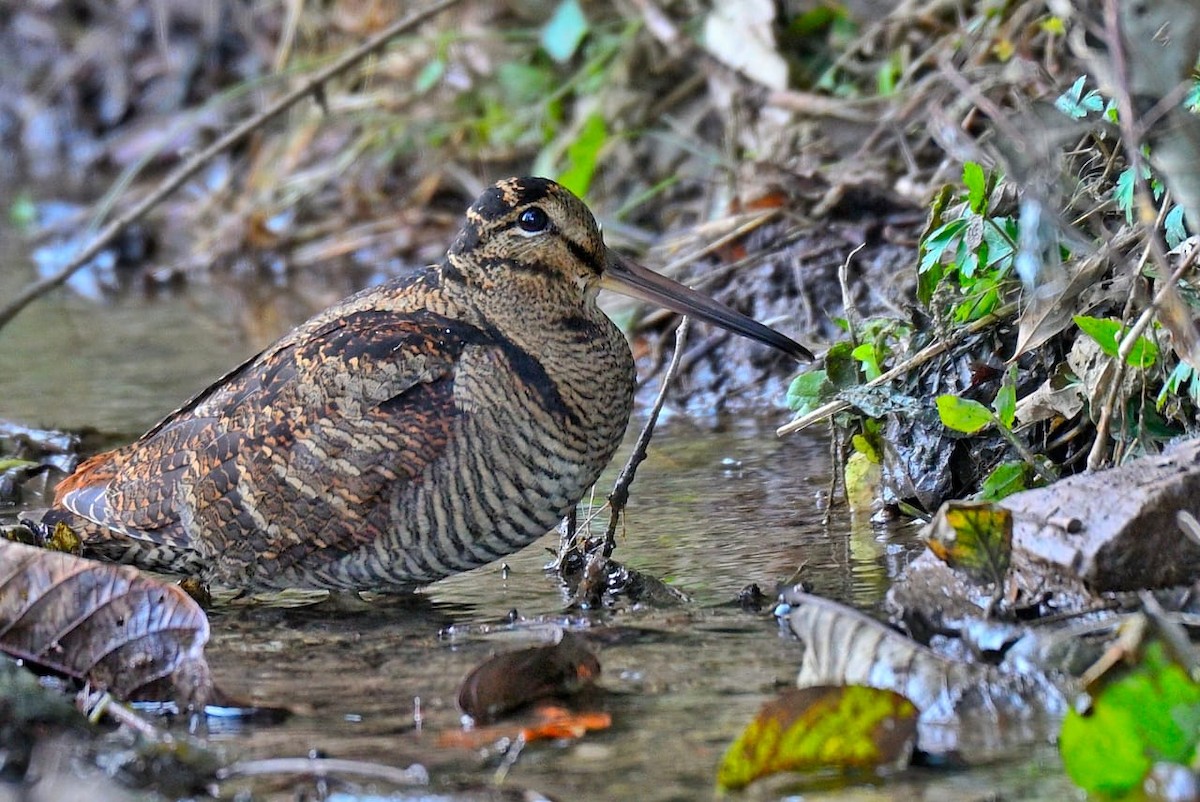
column 291, row 454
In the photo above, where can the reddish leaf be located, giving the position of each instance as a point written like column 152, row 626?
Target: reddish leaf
column 512, row 679
column 122, row 631
column 558, row 723
column 551, row 722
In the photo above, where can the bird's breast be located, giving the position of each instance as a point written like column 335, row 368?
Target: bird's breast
column 535, row 424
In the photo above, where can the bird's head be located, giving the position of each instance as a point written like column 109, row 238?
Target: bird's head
column 532, row 230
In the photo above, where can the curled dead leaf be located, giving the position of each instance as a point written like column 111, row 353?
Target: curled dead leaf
column 973, row 711
column 107, row 624
column 512, row 679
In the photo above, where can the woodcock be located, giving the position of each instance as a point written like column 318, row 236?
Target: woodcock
column 419, row 428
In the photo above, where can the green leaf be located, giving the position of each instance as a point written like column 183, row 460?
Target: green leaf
column 1108, row 333
column 863, row 445
column 1123, row 193
column 976, row 183
column 1182, row 374
column 1151, row 714
column 1004, row 480
column 927, row 283
column 808, row 391
column 862, row 479
column 965, row 256
column 867, row 354
column 1175, row 230
column 887, row 74
column 523, row 83
column 978, row 303
column 1005, row 403
column 1072, row 104
column 429, row 75
column 815, row 21
column 1068, row 102
column 23, row 211
column 841, row 366
column 1105, row 331
column 583, row 154
column 936, row 243
column 1123, row 190
column 564, row 31
column 1000, row 238
column 804, row 729
column 963, row 414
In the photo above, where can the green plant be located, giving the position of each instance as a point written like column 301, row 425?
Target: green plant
column 847, row 364
column 970, row 417
column 544, row 97
column 1079, row 106
column 967, row 251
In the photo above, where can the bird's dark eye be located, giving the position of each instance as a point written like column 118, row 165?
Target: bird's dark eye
column 533, row 220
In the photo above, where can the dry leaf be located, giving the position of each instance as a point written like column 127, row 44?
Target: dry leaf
column 550, row 722
column 974, row 537
column 512, row 679
column 111, row 625
column 739, row 33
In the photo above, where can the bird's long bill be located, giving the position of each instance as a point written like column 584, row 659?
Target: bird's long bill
column 629, row 278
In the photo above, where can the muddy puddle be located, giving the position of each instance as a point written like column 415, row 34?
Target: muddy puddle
column 713, row 509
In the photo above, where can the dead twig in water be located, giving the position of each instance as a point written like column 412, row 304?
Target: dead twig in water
column 619, row 496
column 313, row 85
column 324, row 766
column 597, row 558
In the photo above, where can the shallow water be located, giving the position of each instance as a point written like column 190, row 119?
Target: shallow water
column 713, row 509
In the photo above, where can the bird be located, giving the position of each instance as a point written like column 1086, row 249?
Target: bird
column 422, row 427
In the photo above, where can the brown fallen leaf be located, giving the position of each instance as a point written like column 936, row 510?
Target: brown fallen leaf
column 512, row 679
column 107, row 624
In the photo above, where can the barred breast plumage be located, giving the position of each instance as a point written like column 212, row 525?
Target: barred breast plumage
column 419, row 428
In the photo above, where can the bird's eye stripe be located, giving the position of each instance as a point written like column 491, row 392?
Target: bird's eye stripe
column 585, row 256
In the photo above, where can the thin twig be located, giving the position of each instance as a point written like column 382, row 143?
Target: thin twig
column 1131, row 138
column 572, row 545
column 916, row 360
column 96, row 705
column 322, row 766
column 740, row 230
column 853, row 319
column 1025, row 454
column 619, row 496
column 1096, row 456
column 310, row 86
